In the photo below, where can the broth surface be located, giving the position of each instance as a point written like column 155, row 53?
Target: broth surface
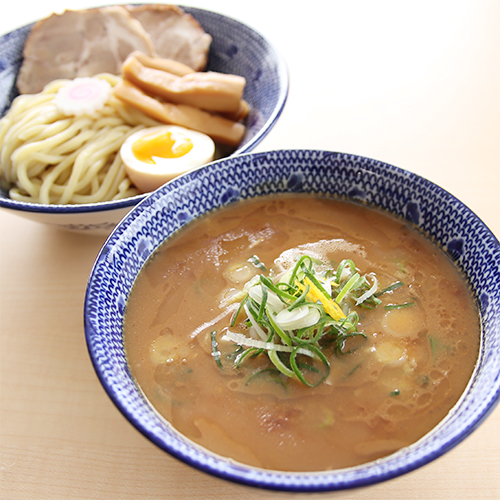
column 397, row 384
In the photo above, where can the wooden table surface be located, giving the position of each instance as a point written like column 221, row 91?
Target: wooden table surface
column 415, row 84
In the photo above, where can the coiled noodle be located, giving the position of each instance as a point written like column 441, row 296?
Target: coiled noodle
column 50, row 158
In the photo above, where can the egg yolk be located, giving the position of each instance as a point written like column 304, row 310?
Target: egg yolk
column 163, row 145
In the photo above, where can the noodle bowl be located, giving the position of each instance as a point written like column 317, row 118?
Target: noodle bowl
column 185, row 199
column 254, row 55
column 48, row 157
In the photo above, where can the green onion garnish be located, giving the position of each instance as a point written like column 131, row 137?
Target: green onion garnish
column 276, row 361
column 389, row 307
column 300, row 374
column 273, row 373
column 353, row 370
column 253, row 351
column 257, row 263
column 215, row 349
column 302, row 318
column 389, row 288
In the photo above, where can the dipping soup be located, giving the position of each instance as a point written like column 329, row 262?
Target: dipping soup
column 219, row 333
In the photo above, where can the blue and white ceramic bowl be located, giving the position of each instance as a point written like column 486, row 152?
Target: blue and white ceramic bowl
column 236, row 49
column 469, row 243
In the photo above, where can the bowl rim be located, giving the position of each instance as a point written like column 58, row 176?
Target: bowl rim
column 322, row 481
column 284, row 87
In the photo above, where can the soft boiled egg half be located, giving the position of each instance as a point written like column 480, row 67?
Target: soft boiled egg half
column 155, row 155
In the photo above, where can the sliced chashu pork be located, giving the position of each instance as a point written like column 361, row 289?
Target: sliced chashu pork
column 80, row 43
column 91, row 41
column 176, row 34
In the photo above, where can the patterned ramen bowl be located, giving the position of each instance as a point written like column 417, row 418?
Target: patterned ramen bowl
column 462, row 235
column 236, row 49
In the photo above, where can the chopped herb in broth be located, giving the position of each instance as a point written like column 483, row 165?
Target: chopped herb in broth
column 306, row 312
column 301, row 336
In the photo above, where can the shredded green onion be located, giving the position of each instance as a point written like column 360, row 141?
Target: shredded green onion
column 215, row 349
column 253, row 351
column 298, row 372
column 273, row 373
column 369, row 292
column 281, row 333
column 399, row 306
column 345, row 264
column 353, row 370
column 390, row 288
column 308, row 316
column 276, row 361
column 349, row 286
column 257, row 263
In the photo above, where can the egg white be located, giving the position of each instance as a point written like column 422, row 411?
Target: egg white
column 147, row 176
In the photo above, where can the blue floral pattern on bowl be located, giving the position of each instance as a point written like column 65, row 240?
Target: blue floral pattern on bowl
column 453, row 227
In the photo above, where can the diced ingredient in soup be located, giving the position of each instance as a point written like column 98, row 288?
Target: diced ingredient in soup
column 301, row 333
